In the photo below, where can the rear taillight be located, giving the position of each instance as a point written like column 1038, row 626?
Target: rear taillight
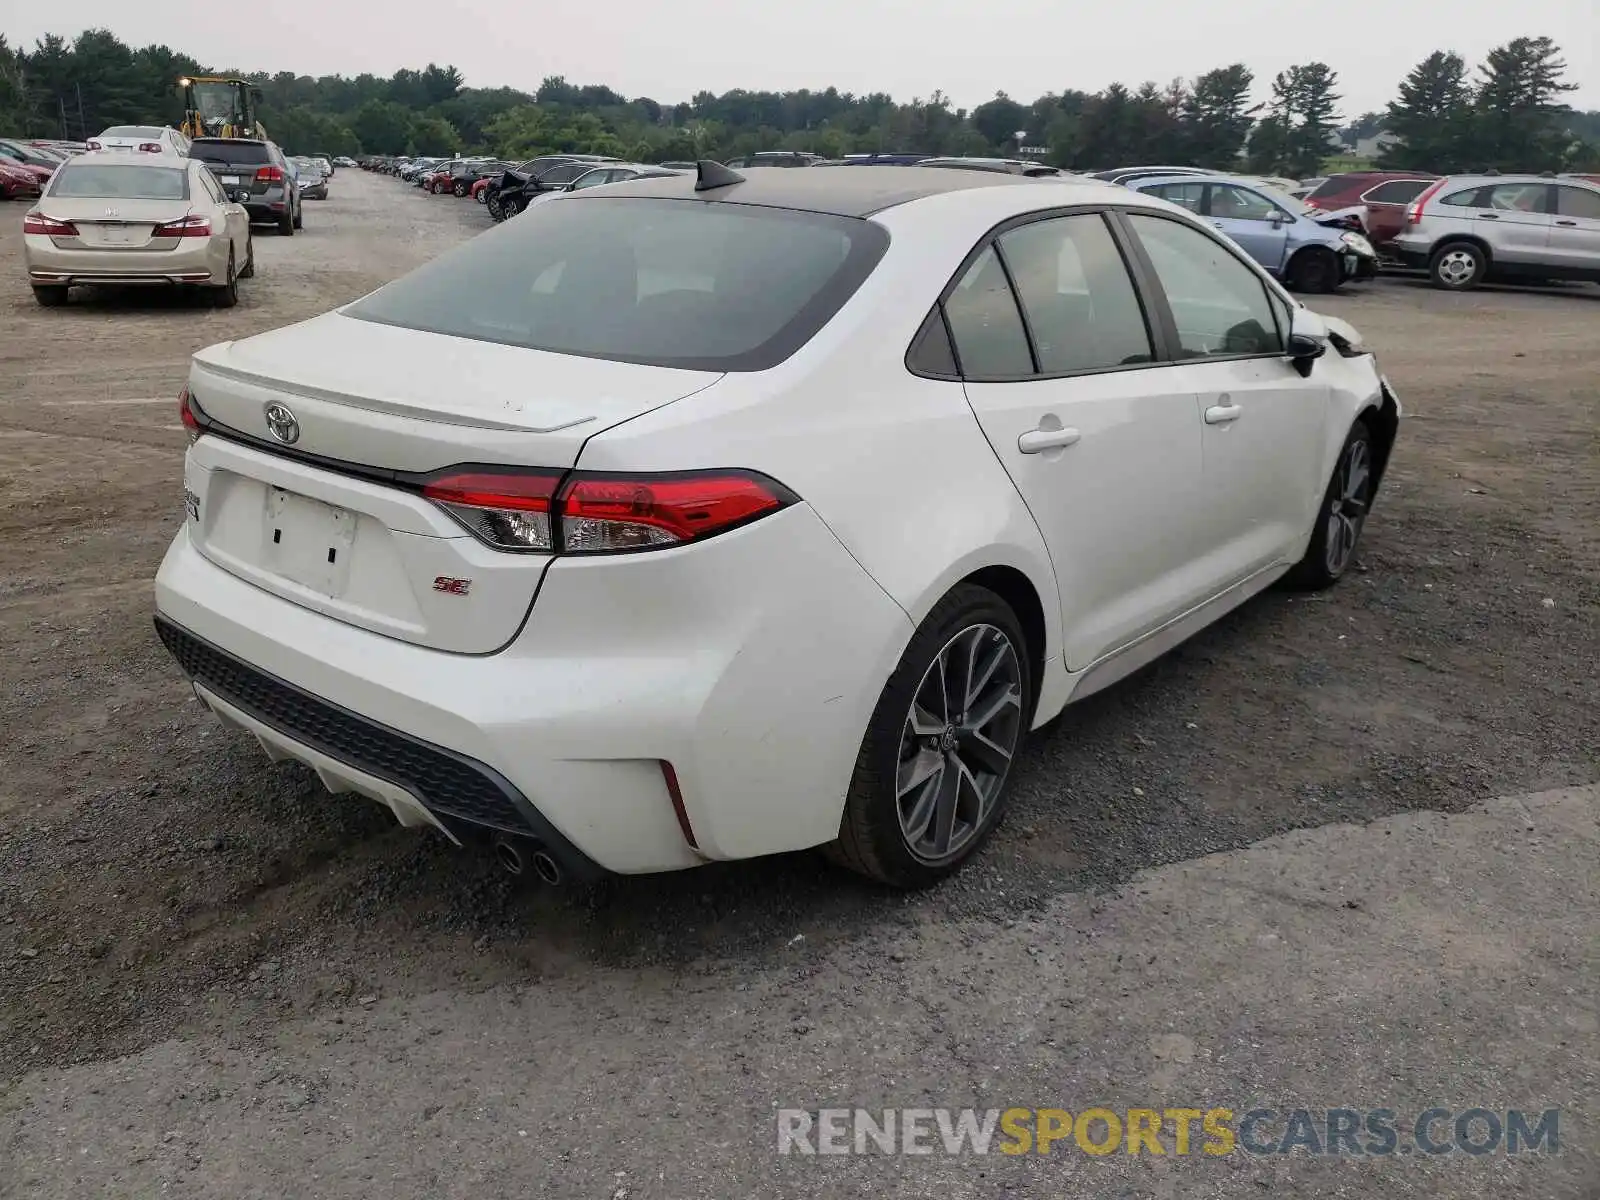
column 603, row 514
column 1414, row 213
column 37, row 222
column 186, row 227
column 509, row 511
column 186, row 414
column 269, row 174
column 150, row 147
column 600, row 514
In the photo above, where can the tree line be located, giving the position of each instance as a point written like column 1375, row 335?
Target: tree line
column 1507, row 114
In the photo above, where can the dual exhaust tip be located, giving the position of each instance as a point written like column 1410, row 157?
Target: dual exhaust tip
column 520, row 857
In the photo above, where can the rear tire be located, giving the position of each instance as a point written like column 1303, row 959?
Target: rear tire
column 50, row 297
column 459, row 188
column 1341, row 516
column 286, row 225
column 249, row 271
column 931, row 778
column 1314, row 270
column 1458, row 266
column 227, row 295
column 299, row 216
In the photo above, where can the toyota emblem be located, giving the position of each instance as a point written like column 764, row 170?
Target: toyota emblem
column 281, row 424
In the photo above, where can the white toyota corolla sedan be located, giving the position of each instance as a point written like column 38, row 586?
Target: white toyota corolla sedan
column 706, row 517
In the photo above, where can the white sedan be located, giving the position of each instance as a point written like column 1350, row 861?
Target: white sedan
column 700, row 519
column 141, row 139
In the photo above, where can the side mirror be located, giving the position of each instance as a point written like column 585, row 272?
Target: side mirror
column 1304, row 350
column 1277, row 220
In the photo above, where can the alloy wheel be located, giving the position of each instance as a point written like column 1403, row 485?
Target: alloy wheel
column 1457, row 267
column 957, row 743
column 1347, row 508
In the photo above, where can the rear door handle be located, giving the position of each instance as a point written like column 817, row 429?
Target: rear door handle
column 1488, row 216
column 1036, row 441
column 1566, row 223
column 1221, row 414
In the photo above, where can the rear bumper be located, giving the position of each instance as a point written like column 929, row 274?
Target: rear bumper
column 750, row 663
column 199, row 261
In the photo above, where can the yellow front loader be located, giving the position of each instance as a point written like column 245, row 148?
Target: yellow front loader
column 217, row 107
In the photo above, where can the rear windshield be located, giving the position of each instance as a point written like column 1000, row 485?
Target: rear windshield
column 671, row 283
column 148, row 132
column 230, row 152
column 81, row 179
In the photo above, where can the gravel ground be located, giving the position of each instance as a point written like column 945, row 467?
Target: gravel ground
column 168, row 895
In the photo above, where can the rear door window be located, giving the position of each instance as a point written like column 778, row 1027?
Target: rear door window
column 987, row 327
column 1517, row 197
column 1186, row 194
column 1079, row 300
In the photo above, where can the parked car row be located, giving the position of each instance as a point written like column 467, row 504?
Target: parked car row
column 147, row 206
column 506, row 189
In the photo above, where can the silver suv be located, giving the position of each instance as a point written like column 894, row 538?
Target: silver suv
column 1468, row 228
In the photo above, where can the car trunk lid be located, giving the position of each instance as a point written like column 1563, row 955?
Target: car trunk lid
column 328, row 512
column 115, row 223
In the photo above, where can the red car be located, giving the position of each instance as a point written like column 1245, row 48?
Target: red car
column 1384, row 194
column 17, row 181
column 481, row 188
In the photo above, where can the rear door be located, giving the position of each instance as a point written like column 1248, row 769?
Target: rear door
column 1575, row 234
column 1514, row 218
column 1102, row 444
column 1251, row 220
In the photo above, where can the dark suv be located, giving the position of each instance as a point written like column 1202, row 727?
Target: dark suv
column 255, row 174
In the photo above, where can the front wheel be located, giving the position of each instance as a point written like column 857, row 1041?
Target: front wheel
column 1341, row 517
column 459, row 188
column 1314, row 270
column 930, row 779
column 509, row 207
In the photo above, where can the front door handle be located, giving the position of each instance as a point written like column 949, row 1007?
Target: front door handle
column 1221, row 414
column 1567, row 223
column 1037, row 440
column 1488, row 216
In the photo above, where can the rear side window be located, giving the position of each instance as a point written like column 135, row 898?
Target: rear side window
column 111, row 182
column 231, row 153
column 1186, row 194
column 1331, row 186
column 1396, row 191
column 1220, row 305
column 1471, row 198
column 1075, row 290
column 984, row 321
column 1578, row 202
column 670, row 283
column 1517, row 197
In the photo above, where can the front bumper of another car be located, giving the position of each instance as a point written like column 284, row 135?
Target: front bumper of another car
column 191, row 261
column 720, row 720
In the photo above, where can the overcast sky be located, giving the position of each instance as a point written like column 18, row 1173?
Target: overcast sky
column 670, row 49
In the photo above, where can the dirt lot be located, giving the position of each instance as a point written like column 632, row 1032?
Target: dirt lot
column 166, row 894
